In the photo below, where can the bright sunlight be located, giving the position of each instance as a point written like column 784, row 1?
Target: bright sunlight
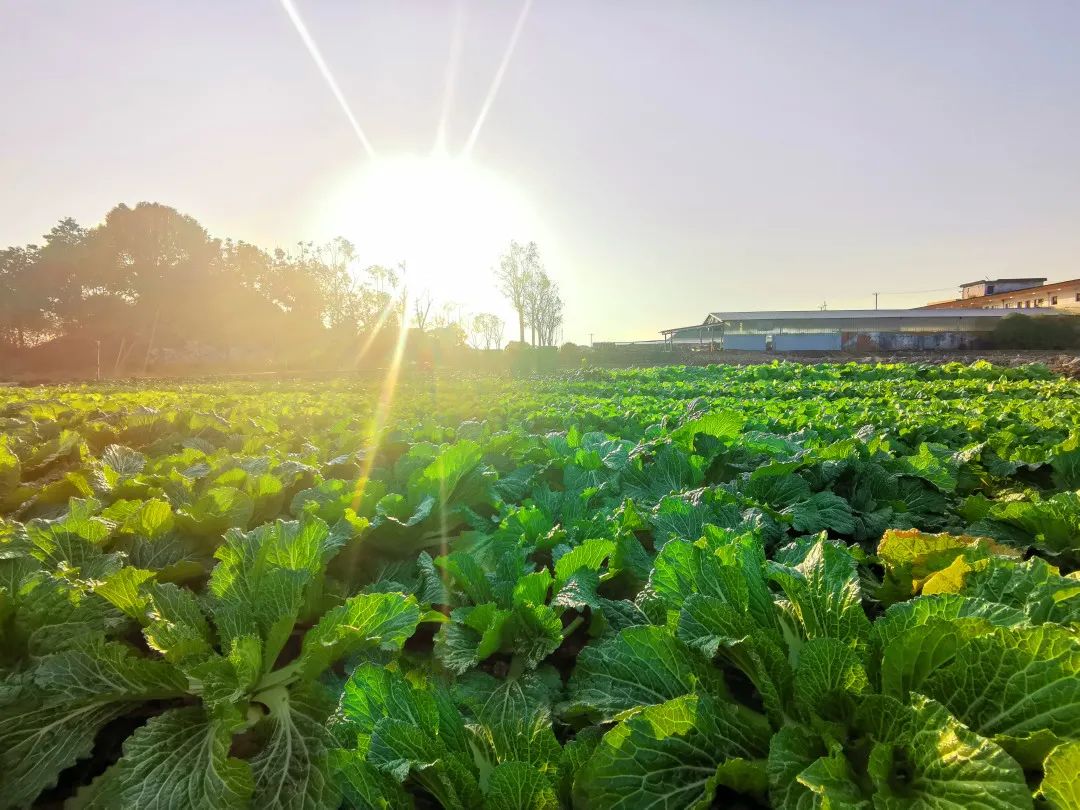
column 448, row 217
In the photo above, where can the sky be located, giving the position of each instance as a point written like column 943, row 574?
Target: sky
column 669, row 158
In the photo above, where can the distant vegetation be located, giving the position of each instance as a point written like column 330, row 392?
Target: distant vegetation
column 1042, row 332
column 150, row 289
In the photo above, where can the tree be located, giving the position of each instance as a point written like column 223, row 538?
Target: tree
column 422, row 310
column 549, row 316
column 517, row 268
column 23, row 299
column 487, row 330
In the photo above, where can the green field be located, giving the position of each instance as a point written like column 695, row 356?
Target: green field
column 784, row 586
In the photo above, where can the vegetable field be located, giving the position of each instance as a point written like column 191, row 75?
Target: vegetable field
column 784, row 586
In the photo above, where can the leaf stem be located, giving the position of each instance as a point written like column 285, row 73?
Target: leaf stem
column 574, row 625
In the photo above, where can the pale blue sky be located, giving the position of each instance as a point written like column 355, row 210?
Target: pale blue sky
column 681, row 156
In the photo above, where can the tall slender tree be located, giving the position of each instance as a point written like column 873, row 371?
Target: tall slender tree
column 515, row 274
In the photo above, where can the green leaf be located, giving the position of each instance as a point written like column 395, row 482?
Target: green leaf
column 48, row 614
column 441, row 477
column 532, row 589
column 833, row 782
column 124, row 589
column 514, row 717
column 641, row 666
column 74, row 542
column 916, row 637
column 218, row 510
column 934, row 463
column 828, row 674
column 730, row 569
column 823, row 510
column 47, row 725
column 10, row 468
column 923, row 757
column 519, row 786
column 383, row 620
column 792, row 750
column 824, row 594
column 723, row 425
column 472, row 635
column 292, row 771
column 1033, row 586
column 590, row 556
column 178, row 628
column 363, row 787
column 1020, row 686
column 178, row 759
column 258, row 587
column 40, row 738
column 1060, row 786
column 122, row 462
column 101, row 673
column 401, row 750
column 673, row 756
column 373, row 693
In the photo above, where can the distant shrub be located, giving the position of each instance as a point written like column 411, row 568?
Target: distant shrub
column 1021, row 331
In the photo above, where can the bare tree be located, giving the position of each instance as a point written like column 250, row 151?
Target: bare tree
column 517, row 267
column 450, row 314
column 487, row 330
column 422, row 309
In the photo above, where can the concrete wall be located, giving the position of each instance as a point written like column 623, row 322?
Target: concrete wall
column 822, row 342
column 905, row 341
column 745, row 343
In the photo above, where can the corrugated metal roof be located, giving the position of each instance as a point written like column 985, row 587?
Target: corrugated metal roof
column 1002, row 281
column 833, row 314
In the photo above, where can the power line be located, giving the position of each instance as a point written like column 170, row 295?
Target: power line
column 917, row 292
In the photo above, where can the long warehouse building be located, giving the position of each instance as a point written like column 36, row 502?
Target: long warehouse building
column 845, row 329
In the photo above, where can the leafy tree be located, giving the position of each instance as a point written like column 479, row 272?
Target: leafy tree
column 517, row 269
column 543, row 309
column 487, row 330
column 23, row 299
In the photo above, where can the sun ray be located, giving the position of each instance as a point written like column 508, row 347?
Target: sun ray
column 381, row 415
column 453, row 60
column 376, row 329
column 324, row 69
column 498, row 78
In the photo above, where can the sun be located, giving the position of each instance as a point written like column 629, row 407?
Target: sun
column 448, row 219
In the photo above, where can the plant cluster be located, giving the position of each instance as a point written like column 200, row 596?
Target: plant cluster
column 775, row 586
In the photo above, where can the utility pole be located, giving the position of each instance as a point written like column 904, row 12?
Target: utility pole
column 875, row 300
column 590, row 338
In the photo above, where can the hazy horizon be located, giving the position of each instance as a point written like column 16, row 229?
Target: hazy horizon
column 668, row 160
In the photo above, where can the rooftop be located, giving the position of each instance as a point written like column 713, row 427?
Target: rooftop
column 843, row 319
column 1036, row 281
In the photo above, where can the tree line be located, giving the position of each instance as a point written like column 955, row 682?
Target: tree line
column 149, row 281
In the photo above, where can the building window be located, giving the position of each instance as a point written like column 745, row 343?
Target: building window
column 1078, row 296
column 1053, row 300
column 1040, row 301
column 989, row 289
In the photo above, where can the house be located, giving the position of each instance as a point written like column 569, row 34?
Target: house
column 1015, row 293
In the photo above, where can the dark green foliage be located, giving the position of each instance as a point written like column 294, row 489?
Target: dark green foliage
column 1021, row 331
